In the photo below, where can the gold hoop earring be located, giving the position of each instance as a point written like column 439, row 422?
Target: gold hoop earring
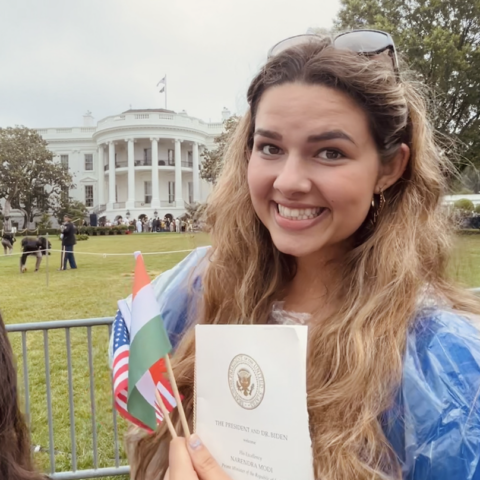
column 381, row 205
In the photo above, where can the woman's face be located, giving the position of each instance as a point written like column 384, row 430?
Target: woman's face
column 314, row 168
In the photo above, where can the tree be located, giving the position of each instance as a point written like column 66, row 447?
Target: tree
column 73, row 208
column 440, row 40
column 44, row 222
column 213, row 159
column 29, row 178
column 467, row 182
column 193, row 211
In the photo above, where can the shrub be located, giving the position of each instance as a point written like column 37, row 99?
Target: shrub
column 464, row 204
column 477, row 209
column 81, row 237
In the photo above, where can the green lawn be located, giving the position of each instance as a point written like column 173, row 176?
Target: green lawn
column 92, row 291
column 465, row 264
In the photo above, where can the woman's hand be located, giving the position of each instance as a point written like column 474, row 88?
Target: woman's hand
column 190, row 460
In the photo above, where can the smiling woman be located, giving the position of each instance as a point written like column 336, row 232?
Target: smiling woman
column 328, row 213
column 312, row 185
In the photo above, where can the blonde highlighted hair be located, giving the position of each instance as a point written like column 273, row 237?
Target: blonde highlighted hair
column 355, row 355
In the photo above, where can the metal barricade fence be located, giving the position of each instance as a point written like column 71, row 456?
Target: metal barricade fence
column 67, row 325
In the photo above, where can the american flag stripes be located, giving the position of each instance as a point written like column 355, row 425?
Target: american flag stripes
column 121, row 351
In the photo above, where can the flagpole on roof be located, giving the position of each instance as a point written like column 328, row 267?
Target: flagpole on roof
column 163, row 82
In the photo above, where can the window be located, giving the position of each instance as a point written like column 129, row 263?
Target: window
column 116, row 193
column 148, row 191
column 171, row 192
column 89, row 195
column 171, row 156
column 89, row 161
column 64, row 161
column 190, row 192
column 147, row 154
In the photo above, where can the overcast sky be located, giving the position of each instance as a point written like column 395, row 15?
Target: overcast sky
column 60, row 58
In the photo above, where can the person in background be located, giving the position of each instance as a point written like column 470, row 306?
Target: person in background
column 8, row 239
column 37, row 247
column 15, row 450
column 68, row 242
column 139, row 226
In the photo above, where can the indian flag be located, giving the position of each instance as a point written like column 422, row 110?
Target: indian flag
column 149, row 344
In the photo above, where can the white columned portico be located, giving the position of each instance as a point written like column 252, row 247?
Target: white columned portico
column 101, row 176
column 155, row 186
column 178, row 174
column 196, row 173
column 131, row 174
column 111, row 175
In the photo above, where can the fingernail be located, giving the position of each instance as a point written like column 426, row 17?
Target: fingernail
column 194, row 442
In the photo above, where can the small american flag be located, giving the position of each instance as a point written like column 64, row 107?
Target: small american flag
column 121, row 350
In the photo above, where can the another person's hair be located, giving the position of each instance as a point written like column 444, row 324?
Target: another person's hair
column 15, row 453
column 355, row 355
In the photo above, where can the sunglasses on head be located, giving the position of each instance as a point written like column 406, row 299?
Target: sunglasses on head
column 364, row 42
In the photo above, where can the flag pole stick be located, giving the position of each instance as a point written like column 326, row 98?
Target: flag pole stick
column 181, row 411
column 166, row 415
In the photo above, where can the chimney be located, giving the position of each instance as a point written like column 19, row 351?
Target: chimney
column 226, row 114
column 88, row 119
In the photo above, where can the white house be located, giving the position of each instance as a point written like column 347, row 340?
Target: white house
column 138, row 162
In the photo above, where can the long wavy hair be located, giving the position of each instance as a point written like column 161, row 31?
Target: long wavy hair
column 355, row 355
column 15, row 453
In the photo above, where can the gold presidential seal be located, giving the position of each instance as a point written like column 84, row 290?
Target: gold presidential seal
column 246, row 382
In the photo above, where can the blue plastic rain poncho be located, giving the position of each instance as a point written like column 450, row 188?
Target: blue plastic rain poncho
column 434, row 426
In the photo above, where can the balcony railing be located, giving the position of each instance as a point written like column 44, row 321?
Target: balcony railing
column 119, row 205
column 167, row 203
column 166, row 163
column 142, row 204
column 147, row 163
column 187, row 164
column 143, row 163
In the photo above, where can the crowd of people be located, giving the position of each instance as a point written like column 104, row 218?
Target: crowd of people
column 152, row 225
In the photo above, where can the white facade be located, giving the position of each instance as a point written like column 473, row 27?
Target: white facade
column 138, row 162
